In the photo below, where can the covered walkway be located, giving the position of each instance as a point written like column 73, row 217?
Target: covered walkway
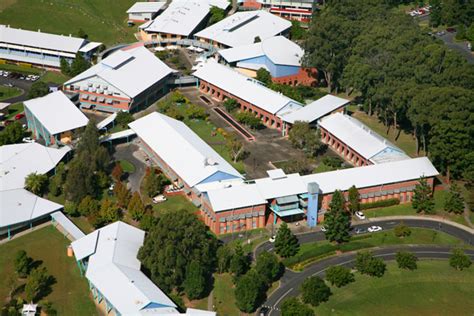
column 69, row 229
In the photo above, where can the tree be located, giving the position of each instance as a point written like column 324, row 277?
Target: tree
column 153, row 183
column 122, row 193
column 195, row 282
column 264, row 76
column 147, row 221
column 88, row 206
column 459, row 260
column 57, row 181
column 70, row 208
column 123, row 118
column 286, row 243
column 366, row 263
column 337, row 220
column 293, row 307
column 302, row 136
column 402, row 230
column 354, row 200
column 224, row 257
column 240, row 263
column 37, row 283
column 38, row 89
column 181, row 238
column 296, row 31
column 314, row 291
column 454, row 202
column 136, row 208
column 12, row 134
column 82, row 34
column 11, row 284
column 22, row 264
column 117, row 172
column 422, row 198
column 194, row 112
column 78, row 65
column 339, row 275
column 217, row 14
column 36, row 183
column 249, row 119
column 230, row 104
column 109, row 212
column 406, row 260
column 268, row 267
column 236, row 148
column 65, row 66
column 249, row 292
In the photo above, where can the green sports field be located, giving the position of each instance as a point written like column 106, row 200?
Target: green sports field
column 434, row 289
column 102, row 20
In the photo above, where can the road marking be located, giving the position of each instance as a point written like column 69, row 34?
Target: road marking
column 281, row 297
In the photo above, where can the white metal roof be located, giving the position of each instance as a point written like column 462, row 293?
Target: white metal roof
column 56, row 112
column 243, row 87
column 279, row 49
column 181, row 17
column 109, row 119
column 146, row 7
column 54, row 42
column 188, row 155
column 19, row 160
column 114, row 269
column 241, row 28
column 373, row 175
column 20, row 206
column 356, row 135
column 317, row 109
column 89, row 46
column 117, row 135
column 237, row 196
column 67, row 225
column 291, row 184
column 129, row 70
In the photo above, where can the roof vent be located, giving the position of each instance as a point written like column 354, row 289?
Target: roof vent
column 209, row 162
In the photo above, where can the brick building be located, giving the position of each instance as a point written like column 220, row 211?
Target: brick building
column 299, row 10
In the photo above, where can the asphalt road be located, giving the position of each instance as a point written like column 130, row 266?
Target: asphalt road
column 461, row 47
column 125, row 152
column 291, row 281
column 21, row 84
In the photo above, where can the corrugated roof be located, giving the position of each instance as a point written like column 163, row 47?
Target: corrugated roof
column 131, row 71
column 373, row 175
column 273, row 188
column 356, row 135
column 244, row 87
column 317, row 109
column 241, row 28
column 63, row 43
column 56, row 112
column 146, row 7
column 70, row 228
column 237, row 196
column 187, row 154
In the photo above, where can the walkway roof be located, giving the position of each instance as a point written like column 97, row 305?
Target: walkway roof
column 316, row 110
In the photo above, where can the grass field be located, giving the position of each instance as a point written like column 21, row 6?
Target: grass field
column 102, row 20
column 14, row 109
column 54, row 77
column 7, row 92
column 70, row 293
column 177, row 202
column 224, row 299
column 311, row 251
column 127, row 166
column 433, row 289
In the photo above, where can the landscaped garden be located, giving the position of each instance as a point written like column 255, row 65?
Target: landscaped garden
column 433, row 289
column 69, row 293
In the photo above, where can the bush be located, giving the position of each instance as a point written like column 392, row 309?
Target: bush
column 406, row 260
column 459, row 260
column 314, row 291
column 294, row 307
column 249, row 119
column 402, row 230
column 366, row 263
column 339, row 275
column 230, row 105
column 381, row 203
column 334, row 162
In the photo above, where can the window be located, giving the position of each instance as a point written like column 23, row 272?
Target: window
column 254, row 223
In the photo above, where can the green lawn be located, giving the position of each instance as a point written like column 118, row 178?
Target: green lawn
column 54, row 77
column 311, row 251
column 70, row 293
column 224, row 299
column 405, row 141
column 14, row 109
column 82, row 223
column 176, row 202
column 127, row 166
column 46, row 76
column 407, row 209
column 102, row 20
column 21, row 69
column 7, row 92
column 433, row 289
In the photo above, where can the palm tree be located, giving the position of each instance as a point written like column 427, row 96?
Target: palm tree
column 36, row 183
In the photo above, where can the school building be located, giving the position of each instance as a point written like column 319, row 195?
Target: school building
column 299, row 10
column 128, row 79
column 54, row 118
column 144, row 11
column 41, row 49
column 278, row 55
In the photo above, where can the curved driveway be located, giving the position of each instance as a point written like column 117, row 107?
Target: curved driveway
column 291, row 281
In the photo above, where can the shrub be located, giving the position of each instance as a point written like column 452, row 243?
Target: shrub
column 406, row 260
column 366, row 263
column 314, row 291
column 339, row 275
column 381, row 203
column 459, row 260
column 402, row 230
column 249, row 119
column 230, row 105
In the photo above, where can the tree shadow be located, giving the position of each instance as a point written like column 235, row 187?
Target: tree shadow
column 36, row 264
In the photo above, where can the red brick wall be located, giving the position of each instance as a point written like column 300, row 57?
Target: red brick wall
column 346, row 152
column 305, row 77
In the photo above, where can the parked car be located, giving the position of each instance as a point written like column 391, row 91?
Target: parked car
column 272, row 239
column 323, row 228
column 373, row 229
column 28, row 140
column 19, row 116
column 159, row 199
column 359, row 215
column 451, row 29
column 112, row 187
column 360, row 231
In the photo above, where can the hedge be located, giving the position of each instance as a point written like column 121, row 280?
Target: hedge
column 381, row 203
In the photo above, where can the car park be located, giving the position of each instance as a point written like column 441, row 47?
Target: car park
column 359, row 215
column 373, row 229
column 159, row 199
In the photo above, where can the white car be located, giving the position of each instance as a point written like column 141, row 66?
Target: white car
column 323, row 228
column 373, row 229
column 28, row 140
column 272, row 239
column 159, row 198
column 359, row 215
